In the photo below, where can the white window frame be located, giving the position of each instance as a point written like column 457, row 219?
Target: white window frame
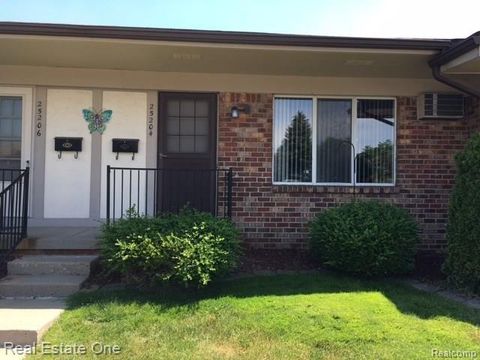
column 354, row 100
column 26, row 142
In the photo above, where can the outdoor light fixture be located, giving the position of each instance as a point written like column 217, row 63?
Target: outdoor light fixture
column 236, row 110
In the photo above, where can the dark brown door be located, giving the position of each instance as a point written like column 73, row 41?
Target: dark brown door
column 187, row 151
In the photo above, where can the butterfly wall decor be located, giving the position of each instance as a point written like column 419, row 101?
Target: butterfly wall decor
column 97, row 119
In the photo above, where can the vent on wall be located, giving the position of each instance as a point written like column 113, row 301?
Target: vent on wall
column 438, row 105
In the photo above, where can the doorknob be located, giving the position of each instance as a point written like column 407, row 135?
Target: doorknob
column 163, row 156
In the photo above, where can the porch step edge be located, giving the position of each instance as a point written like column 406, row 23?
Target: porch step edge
column 31, row 243
column 25, row 286
column 51, row 264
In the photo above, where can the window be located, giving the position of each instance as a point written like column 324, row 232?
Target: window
column 375, row 141
column 334, row 134
column 10, row 132
column 332, row 127
column 187, row 126
column 293, row 144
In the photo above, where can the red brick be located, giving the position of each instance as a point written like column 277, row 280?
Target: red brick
column 276, row 216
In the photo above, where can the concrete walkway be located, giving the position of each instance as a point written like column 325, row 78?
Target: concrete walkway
column 472, row 302
column 4, row 355
column 26, row 320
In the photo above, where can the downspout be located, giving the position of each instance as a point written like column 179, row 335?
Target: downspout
column 437, row 74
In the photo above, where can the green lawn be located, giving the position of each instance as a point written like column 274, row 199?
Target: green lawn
column 318, row 316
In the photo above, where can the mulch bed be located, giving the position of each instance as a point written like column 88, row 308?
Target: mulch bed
column 271, row 261
column 275, row 260
column 428, row 265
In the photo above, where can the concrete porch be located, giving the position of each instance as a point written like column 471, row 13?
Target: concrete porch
column 57, row 239
column 49, row 265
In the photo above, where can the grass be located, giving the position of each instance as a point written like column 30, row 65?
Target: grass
column 321, row 316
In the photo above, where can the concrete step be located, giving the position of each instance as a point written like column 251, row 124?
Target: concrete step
column 30, row 286
column 51, row 264
column 61, row 238
column 25, row 320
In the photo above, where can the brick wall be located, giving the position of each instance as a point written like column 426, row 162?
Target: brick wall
column 473, row 113
column 276, row 216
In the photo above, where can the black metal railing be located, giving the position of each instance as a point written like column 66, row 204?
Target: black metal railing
column 152, row 191
column 13, row 210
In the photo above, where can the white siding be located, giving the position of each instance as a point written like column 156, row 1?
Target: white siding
column 129, row 120
column 67, row 180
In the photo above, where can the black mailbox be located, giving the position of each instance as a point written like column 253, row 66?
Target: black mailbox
column 68, row 144
column 125, row 146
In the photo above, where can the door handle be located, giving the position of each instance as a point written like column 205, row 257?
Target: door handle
column 163, row 156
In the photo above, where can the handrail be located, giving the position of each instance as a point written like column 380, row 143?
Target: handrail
column 151, row 191
column 159, row 169
column 13, row 213
column 12, row 184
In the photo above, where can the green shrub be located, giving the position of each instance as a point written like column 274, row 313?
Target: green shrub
column 365, row 238
column 463, row 230
column 190, row 248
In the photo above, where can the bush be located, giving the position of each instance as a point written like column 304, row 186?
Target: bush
column 190, row 248
column 365, row 238
column 463, row 229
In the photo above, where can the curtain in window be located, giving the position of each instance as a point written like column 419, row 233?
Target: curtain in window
column 334, row 152
column 375, row 139
column 293, row 140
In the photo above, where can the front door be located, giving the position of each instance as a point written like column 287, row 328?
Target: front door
column 186, row 151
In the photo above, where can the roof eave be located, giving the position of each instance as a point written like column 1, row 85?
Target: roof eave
column 454, row 51
column 225, row 37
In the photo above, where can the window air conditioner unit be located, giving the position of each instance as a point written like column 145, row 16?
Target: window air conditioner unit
column 440, row 106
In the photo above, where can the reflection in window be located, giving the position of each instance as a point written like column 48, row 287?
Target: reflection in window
column 337, row 128
column 334, row 128
column 375, row 132
column 10, row 132
column 293, row 140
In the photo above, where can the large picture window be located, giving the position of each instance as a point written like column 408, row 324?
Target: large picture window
column 314, row 141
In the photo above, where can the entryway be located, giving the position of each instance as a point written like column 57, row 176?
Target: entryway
column 186, row 151
column 185, row 174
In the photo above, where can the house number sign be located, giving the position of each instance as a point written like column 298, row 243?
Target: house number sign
column 151, row 113
column 39, row 117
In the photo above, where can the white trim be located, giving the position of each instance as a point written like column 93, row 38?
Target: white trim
column 354, row 139
column 26, row 93
column 333, row 184
column 314, row 141
column 273, row 140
